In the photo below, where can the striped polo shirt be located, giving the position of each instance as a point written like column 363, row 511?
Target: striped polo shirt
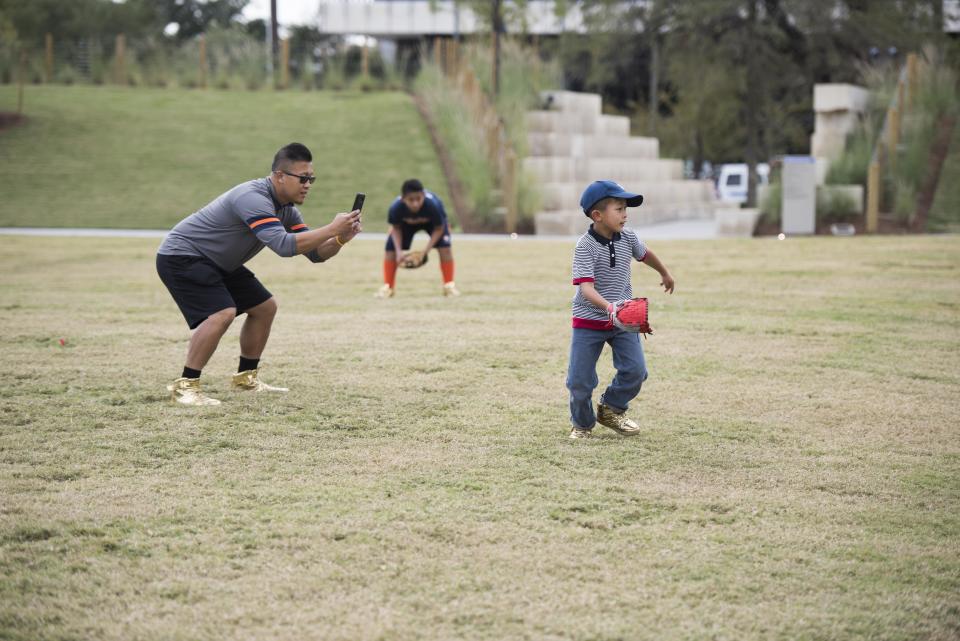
column 236, row 226
column 605, row 263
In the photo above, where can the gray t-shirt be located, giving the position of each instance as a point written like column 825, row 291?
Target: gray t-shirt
column 236, row 226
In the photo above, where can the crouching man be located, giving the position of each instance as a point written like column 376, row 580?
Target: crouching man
column 201, row 263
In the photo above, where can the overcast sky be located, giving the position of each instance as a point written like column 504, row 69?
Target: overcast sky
column 289, row 12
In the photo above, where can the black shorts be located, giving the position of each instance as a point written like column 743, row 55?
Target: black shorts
column 407, row 232
column 201, row 289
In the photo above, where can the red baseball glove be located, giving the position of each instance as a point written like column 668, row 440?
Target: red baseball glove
column 630, row 315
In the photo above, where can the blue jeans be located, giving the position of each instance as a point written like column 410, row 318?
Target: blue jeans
column 585, row 348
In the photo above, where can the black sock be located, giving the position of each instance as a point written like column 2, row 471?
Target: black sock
column 248, row 363
column 190, row 373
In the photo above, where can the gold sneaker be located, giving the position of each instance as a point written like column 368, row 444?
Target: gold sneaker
column 449, row 289
column 249, row 380
column 619, row 423
column 187, row 391
column 578, row 433
column 385, row 291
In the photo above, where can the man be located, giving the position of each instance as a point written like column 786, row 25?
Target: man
column 201, row 263
column 413, row 210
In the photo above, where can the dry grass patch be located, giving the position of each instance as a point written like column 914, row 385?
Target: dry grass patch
column 799, row 479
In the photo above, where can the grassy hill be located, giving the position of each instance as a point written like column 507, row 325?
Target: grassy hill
column 145, row 158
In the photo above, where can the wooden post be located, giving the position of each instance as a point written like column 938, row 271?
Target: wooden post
column 901, row 106
column 48, row 58
column 893, row 136
column 119, row 62
column 285, row 63
column 911, row 79
column 23, row 72
column 436, row 53
column 510, row 189
column 203, row 61
column 873, row 196
column 365, row 60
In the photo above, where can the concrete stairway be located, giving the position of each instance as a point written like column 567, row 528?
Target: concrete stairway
column 572, row 143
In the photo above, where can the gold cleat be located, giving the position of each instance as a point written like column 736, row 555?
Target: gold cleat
column 578, row 434
column 187, row 391
column 384, row 292
column 619, row 423
column 250, row 381
column 449, row 289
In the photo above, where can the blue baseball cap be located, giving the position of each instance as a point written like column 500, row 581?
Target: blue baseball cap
column 601, row 189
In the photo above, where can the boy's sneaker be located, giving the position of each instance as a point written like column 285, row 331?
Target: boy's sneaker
column 449, row 289
column 385, row 291
column 250, row 381
column 619, row 423
column 577, row 433
column 187, row 391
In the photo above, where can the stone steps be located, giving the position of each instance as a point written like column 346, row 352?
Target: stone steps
column 562, row 144
column 577, row 123
column 557, row 169
column 571, row 143
column 574, row 222
column 561, row 195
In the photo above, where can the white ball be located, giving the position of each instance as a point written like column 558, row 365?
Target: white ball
column 513, row 236
column 781, row 236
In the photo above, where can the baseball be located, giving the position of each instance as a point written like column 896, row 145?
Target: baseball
column 781, row 236
column 513, row 236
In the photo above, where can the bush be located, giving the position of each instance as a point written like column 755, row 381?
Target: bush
column 850, row 168
column 463, row 137
column 835, row 206
column 772, row 204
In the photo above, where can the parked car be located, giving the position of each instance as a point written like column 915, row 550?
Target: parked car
column 732, row 183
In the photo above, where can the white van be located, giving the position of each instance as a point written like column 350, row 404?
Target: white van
column 732, row 183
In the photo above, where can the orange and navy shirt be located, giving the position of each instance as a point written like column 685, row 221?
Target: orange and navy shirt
column 236, row 226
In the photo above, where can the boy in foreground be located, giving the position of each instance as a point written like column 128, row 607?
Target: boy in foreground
column 601, row 272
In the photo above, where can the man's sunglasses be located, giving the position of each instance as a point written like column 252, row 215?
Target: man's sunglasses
column 303, row 179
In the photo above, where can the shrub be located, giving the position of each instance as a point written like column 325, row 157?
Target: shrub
column 772, row 204
column 836, row 206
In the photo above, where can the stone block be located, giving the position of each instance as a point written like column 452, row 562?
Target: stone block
column 571, row 101
column 839, row 97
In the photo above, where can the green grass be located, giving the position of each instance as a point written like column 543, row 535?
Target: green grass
column 145, row 158
column 799, row 476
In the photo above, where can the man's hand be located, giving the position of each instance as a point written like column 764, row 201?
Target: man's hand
column 343, row 222
column 667, row 282
column 355, row 229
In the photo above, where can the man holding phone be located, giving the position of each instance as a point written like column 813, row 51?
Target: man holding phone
column 201, row 263
column 414, row 210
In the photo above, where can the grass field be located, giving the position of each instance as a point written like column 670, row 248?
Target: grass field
column 145, row 158
column 799, row 476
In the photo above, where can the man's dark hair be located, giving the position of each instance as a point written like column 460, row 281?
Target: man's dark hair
column 294, row 152
column 411, row 186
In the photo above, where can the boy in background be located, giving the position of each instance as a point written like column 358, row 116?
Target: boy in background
column 416, row 209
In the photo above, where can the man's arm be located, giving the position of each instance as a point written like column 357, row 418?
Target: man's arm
column 332, row 246
column 340, row 225
column 666, row 279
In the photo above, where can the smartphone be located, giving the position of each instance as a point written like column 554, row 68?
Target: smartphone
column 358, row 202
